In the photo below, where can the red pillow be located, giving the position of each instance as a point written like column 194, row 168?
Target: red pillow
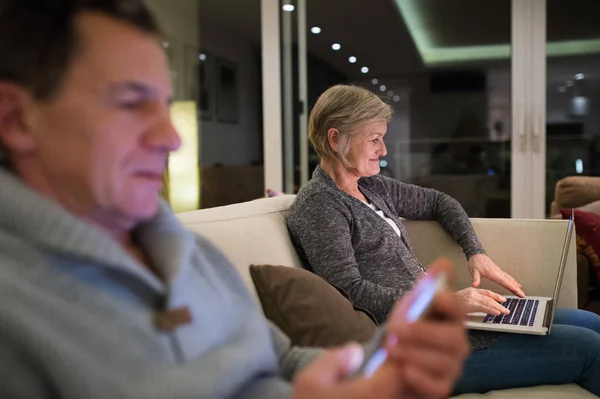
column 587, row 225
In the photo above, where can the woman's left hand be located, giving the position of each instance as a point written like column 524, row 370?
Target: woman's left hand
column 482, row 266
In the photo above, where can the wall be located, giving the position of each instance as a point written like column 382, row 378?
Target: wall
column 181, row 26
column 226, row 143
column 239, row 143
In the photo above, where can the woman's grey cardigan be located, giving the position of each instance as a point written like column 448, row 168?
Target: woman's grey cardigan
column 344, row 241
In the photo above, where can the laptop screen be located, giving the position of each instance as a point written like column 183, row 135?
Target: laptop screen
column 563, row 258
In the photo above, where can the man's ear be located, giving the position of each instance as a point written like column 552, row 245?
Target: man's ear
column 333, row 136
column 16, row 120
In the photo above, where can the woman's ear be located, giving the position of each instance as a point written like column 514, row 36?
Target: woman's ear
column 333, row 137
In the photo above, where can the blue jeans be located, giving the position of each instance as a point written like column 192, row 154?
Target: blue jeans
column 570, row 354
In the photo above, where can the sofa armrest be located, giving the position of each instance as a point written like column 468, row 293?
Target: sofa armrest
column 530, row 250
column 576, row 191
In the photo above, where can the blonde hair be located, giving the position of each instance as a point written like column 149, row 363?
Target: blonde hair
column 345, row 108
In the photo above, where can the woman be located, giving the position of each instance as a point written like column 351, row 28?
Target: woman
column 346, row 224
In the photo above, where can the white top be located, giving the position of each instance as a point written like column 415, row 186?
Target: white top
column 387, row 219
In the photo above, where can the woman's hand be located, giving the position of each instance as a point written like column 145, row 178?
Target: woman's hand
column 482, row 266
column 484, row 301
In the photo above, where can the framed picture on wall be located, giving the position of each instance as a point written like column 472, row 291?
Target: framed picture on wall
column 199, row 80
column 227, row 90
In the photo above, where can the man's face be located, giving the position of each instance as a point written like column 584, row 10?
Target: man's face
column 101, row 144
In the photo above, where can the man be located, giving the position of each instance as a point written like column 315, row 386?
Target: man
column 103, row 294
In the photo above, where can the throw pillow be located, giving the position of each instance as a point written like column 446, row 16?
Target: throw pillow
column 308, row 309
column 587, row 226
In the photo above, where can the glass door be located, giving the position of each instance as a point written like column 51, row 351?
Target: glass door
column 572, row 115
column 445, row 67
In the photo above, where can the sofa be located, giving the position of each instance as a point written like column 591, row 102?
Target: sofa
column 583, row 193
column 255, row 233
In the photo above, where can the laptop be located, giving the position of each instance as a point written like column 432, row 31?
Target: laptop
column 530, row 315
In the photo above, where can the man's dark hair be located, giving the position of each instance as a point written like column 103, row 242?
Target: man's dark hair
column 38, row 38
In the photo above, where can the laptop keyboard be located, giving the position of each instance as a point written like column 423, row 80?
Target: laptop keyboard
column 522, row 312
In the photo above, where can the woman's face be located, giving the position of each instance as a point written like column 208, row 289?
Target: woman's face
column 366, row 147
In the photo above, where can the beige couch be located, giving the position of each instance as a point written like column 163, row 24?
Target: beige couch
column 255, row 233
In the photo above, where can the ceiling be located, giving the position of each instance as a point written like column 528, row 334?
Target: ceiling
column 388, row 36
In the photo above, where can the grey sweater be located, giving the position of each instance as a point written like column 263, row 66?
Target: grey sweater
column 76, row 313
column 357, row 251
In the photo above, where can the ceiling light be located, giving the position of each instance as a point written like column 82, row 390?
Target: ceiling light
column 202, row 57
column 569, row 83
column 390, row 93
column 336, row 46
column 364, row 70
column 396, row 98
column 352, row 59
column 288, row 7
column 382, row 88
column 316, row 30
column 374, row 81
column 562, row 89
column 579, row 76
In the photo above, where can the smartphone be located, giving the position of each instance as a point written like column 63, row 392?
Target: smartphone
column 425, row 291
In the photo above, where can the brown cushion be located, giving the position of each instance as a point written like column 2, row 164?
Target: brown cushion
column 308, row 309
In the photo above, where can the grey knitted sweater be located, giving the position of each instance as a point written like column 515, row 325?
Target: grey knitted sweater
column 344, row 241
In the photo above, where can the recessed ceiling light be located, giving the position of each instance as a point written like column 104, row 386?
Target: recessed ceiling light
column 352, row 59
column 569, row 83
column 382, row 88
column 202, row 57
column 390, row 93
column 579, row 76
column 562, row 89
column 316, row 30
column 336, row 46
column 364, row 70
column 288, row 7
column 374, row 81
column 396, row 98
column 165, row 44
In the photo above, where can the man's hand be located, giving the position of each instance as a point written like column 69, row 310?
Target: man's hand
column 429, row 353
column 425, row 358
column 327, row 378
column 481, row 266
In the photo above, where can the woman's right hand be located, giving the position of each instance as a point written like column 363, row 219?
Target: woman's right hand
column 482, row 301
